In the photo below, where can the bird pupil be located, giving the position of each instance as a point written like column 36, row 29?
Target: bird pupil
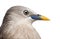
column 26, row 12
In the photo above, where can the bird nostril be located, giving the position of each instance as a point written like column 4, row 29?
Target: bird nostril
column 38, row 15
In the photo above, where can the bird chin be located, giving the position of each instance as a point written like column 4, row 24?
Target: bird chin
column 29, row 19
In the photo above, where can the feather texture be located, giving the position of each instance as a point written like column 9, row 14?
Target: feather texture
column 15, row 26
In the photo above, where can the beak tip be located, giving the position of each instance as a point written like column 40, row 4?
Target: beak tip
column 45, row 18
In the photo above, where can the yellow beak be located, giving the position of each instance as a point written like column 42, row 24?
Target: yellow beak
column 39, row 17
column 44, row 18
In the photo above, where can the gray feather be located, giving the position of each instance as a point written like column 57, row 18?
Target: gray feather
column 16, row 25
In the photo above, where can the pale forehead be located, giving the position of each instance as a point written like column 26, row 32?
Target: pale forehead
column 19, row 8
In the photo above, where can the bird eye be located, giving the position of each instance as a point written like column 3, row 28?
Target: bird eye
column 26, row 12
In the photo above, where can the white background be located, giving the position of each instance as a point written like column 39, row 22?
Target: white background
column 49, row 8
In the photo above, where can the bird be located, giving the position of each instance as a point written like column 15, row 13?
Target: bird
column 17, row 23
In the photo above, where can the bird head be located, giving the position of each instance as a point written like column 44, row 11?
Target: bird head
column 24, row 12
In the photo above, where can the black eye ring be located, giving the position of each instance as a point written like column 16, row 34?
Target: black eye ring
column 26, row 12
